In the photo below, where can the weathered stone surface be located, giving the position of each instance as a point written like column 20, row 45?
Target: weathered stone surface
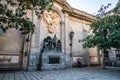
column 32, row 62
column 46, row 65
column 68, row 19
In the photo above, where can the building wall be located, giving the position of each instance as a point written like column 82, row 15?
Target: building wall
column 30, row 58
column 81, row 30
column 11, row 46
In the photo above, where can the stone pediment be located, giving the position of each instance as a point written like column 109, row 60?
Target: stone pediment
column 75, row 12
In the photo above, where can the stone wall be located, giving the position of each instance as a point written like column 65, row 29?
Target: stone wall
column 11, row 48
column 67, row 22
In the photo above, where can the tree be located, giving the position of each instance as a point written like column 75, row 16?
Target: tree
column 12, row 13
column 117, row 8
column 106, row 33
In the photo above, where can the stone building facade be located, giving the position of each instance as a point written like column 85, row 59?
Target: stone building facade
column 24, row 51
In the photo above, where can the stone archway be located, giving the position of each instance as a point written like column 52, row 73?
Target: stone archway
column 62, row 24
column 37, row 40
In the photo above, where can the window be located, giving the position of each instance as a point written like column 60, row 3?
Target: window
column 106, row 55
column 117, row 54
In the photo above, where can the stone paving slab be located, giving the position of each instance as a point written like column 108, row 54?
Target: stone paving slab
column 66, row 74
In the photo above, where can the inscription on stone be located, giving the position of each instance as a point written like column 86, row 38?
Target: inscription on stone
column 9, row 59
column 54, row 60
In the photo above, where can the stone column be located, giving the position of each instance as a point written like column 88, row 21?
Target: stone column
column 62, row 36
column 34, row 51
column 66, row 35
column 67, row 40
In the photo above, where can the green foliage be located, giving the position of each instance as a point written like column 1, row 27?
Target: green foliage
column 102, row 10
column 117, row 8
column 106, row 33
column 13, row 13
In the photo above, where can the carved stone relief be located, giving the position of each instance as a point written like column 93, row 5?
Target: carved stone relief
column 51, row 20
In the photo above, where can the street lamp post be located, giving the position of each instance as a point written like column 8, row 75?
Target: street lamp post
column 71, row 39
column 71, row 43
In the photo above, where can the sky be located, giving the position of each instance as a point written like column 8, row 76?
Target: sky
column 91, row 6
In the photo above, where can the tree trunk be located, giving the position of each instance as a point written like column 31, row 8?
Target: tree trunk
column 103, row 58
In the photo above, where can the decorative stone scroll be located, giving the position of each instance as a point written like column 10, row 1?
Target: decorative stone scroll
column 51, row 20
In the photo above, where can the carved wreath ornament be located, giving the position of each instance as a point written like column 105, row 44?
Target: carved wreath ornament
column 51, row 20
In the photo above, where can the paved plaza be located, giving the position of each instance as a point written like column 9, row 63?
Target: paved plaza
column 66, row 74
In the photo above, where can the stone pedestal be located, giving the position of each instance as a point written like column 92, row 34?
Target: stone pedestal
column 53, row 60
column 32, row 66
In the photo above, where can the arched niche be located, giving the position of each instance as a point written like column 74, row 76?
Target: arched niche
column 59, row 31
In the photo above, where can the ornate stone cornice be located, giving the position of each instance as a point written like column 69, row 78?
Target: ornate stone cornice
column 75, row 12
column 64, row 4
column 82, row 15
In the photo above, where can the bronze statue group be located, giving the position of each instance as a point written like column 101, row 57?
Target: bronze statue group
column 51, row 44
